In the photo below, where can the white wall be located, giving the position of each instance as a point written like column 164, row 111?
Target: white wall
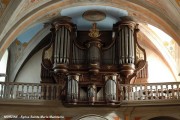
column 3, row 65
column 158, row 70
column 30, row 73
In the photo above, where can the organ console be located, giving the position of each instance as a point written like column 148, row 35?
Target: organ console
column 91, row 64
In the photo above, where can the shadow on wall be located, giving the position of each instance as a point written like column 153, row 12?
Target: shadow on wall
column 163, row 118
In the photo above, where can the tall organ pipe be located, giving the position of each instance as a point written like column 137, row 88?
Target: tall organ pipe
column 111, row 88
column 62, row 45
column 72, row 88
column 64, row 33
column 126, row 46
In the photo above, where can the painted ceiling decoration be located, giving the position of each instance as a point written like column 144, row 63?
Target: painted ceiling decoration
column 162, row 14
column 3, row 5
column 76, row 13
column 117, row 4
column 30, row 33
column 178, row 2
column 112, row 16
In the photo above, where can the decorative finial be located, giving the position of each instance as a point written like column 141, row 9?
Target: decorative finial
column 94, row 32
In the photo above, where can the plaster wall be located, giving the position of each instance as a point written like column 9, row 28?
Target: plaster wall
column 30, row 72
column 3, row 65
column 157, row 68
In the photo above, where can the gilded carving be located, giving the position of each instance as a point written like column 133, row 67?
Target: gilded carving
column 94, row 32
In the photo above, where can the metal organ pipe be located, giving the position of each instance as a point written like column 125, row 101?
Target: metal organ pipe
column 64, row 32
column 111, row 88
column 132, row 47
column 61, row 45
column 72, row 88
column 126, row 46
column 129, row 46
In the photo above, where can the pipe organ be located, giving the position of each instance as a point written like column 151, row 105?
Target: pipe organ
column 91, row 64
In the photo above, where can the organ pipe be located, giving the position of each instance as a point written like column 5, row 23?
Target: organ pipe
column 111, row 88
column 126, row 46
column 62, row 45
column 92, row 94
column 64, row 32
column 72, row 88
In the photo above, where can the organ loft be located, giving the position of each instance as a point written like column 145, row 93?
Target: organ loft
column 91, row 64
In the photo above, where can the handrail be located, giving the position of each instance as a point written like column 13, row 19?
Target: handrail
column 29, row 91
column 150, row 91
column 126, row 92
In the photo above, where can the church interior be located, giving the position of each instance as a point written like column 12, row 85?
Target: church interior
column 90, row 59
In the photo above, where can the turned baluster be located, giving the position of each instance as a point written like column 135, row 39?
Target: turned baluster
column 126, row 92
column 47, row 92
column 178, row 91
column 162, row 95
column 157, row 95
column 57, row 92
column 136, row 94
column 151, row 92
column 37, row 92
column 141, row 93
column 167, row 92
column 172, row 91
column 52, row 92
column 2, row 90
column 146, row 92
column 33, row 91
column 42, row 92
column 22, row 92
column 27, row 93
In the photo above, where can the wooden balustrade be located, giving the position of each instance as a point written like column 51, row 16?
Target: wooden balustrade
column 30, row 91
column 126, row 92
column 149, row 91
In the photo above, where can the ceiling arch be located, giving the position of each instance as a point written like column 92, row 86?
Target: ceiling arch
column 46, row 12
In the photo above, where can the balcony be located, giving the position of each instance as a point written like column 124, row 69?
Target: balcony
column 150, row 94
column 128, row 95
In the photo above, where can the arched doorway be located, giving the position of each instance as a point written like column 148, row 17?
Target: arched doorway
column 92, row 117
column 163, row 118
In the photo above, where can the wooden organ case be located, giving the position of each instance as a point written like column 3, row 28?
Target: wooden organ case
column 91, row 64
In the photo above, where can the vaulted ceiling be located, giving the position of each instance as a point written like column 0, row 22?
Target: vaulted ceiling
column 18, row 17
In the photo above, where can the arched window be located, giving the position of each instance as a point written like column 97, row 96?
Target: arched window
column 3, row 66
